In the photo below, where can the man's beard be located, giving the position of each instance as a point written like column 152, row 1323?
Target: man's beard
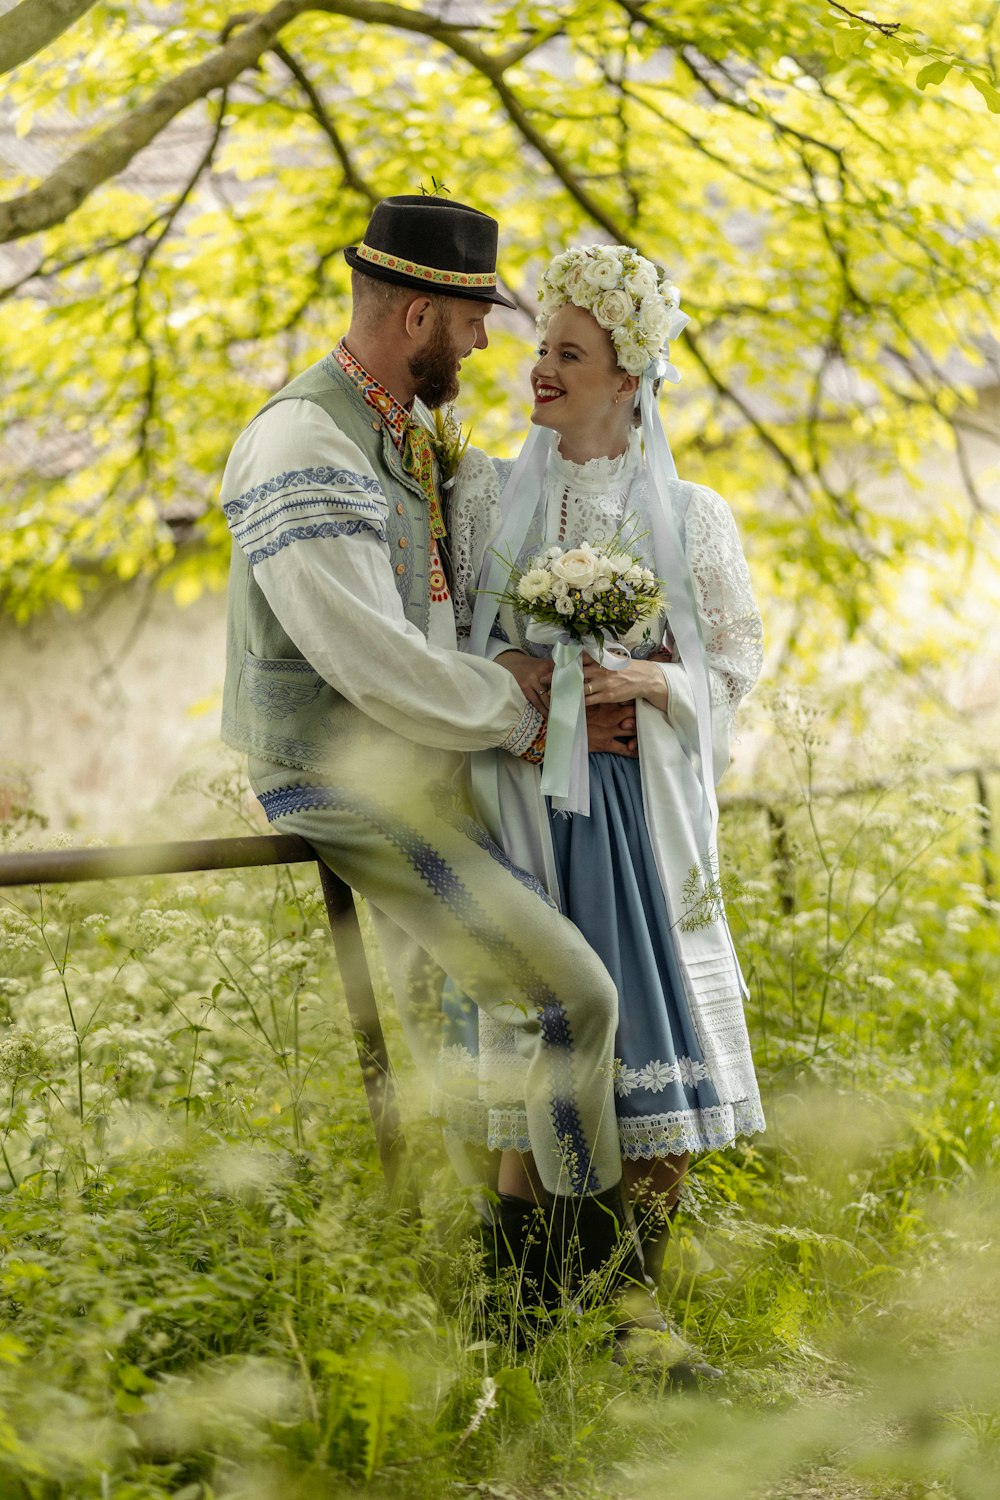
column 435, row 371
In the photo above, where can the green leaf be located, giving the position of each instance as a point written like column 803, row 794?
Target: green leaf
column 989, row 93
column 516, row 1395
column 935, row 72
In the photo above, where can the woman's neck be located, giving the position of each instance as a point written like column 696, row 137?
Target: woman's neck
column 580, row 448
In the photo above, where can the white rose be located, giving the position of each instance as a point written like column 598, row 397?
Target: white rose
column 642, row 281
column 560, row 588
column 632, row 575
column 619, row 562
column 534, row 584
column 632, row 357
column 600, row 585
column 612, row 308
column 564, row 605
column 655, row 316
column 573, row 282
column 577, row 568
column 601, row 275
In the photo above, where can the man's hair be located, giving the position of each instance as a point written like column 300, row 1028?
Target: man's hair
column 375, row 299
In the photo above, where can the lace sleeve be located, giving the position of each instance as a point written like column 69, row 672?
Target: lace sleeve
column 474, row 515
column 730, row 620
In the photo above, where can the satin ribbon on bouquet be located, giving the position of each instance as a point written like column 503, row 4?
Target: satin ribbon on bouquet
column 565, row 769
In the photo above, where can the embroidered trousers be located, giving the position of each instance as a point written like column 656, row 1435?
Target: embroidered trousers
column 395, row 825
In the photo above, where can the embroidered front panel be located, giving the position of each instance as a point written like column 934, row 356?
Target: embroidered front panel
column 304, row 505
column 437, row 581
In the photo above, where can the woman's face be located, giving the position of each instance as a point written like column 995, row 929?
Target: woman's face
column 578, row 387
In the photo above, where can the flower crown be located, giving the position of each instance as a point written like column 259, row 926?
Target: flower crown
column 626, row 294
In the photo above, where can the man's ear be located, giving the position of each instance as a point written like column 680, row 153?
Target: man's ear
column 418, row 316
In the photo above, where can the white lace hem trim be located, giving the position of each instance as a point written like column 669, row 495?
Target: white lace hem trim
column 642, row 1139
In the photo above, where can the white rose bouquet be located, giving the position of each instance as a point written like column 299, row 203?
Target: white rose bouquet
column 575, row 600
column 588, row 593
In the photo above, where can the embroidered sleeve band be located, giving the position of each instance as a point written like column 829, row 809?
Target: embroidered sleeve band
column 303, row 505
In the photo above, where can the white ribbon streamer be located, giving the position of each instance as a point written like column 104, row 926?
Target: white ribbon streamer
column 565, row 768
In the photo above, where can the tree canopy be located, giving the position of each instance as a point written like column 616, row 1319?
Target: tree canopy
column 184, row 176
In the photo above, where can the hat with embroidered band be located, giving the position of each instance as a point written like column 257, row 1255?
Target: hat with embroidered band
column 432, row 245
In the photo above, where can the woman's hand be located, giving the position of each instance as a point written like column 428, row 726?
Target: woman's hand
column 640, row 679
column 533, row 675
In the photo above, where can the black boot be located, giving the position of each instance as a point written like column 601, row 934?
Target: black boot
column 599, row 1235
column 653, row 1222
column 598, row 1240
column 518, row 1245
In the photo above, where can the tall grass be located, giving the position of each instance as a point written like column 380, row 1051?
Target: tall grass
column 203, row 1293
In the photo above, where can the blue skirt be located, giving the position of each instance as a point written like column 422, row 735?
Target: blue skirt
column 665, row 1101
column 609, row 887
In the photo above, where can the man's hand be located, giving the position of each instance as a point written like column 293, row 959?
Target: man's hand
column 611, row 726
column 533, row 675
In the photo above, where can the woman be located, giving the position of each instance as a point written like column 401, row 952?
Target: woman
column 637, row 875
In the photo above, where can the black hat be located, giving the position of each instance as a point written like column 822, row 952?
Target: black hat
column 431, row 244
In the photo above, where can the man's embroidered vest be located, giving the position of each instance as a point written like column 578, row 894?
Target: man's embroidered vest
column 274, row 705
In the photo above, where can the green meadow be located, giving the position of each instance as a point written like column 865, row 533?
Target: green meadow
column 205, row 1291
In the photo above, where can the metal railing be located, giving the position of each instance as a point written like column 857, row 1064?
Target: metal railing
column 63, row 866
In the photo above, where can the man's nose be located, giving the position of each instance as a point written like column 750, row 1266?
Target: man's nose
column 482, row 340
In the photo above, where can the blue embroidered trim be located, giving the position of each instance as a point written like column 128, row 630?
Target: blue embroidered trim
column 324, row 475
column 446, row 805
column 565, row 1115
column 525, row 731
column 432, row 867
column 309, row 534
column 277, row 747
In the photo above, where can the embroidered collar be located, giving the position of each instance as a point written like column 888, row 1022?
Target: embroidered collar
column 395, row 417
column 598, row 474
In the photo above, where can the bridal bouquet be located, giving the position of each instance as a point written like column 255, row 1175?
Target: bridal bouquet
column 574, row 600
column 588, row 592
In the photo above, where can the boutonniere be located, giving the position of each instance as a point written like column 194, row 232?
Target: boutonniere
column 449, row 444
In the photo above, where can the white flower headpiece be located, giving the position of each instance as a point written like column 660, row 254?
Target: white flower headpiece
column 626, row 294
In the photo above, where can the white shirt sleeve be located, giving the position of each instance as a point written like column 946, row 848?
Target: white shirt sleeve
column 307, row 508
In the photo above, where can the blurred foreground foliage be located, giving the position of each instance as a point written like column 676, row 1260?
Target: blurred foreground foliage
column 202, row 1293
column 184, row 177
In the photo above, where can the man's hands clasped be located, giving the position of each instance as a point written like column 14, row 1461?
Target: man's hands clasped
column 610, row 723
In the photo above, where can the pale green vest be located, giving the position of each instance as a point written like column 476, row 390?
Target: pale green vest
column 274, row 705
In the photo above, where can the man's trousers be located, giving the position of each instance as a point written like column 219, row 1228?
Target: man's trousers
column 395, row 825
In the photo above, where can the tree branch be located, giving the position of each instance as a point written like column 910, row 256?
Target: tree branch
column 32, row 25
column 324, row 120
column 112, row 150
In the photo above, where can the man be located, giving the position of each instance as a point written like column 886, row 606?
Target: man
column 344, row 687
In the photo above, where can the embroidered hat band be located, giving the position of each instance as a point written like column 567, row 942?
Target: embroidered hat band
column 427, row 273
